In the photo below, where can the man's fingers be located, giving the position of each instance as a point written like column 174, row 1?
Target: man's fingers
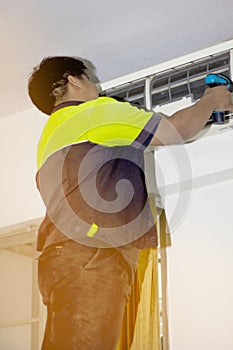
column 231, row 98
column 230, row 107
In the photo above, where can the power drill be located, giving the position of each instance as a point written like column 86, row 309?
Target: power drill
column 213, row 80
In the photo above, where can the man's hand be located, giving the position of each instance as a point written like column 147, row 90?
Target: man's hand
column 185, row 123
column 221, row 98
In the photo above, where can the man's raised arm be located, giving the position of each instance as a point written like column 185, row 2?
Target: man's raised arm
column 187, row 122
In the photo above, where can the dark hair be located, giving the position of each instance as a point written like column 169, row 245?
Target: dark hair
column 47, row 76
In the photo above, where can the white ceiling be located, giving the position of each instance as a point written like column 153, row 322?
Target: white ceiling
column 119, row 36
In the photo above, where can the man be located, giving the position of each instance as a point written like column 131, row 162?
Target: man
column 90, row 176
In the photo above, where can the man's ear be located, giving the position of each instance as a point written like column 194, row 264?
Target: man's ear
column 74, row 81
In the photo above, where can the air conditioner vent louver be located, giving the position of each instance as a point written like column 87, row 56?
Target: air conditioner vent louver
column 187, row 80
column 132, row 92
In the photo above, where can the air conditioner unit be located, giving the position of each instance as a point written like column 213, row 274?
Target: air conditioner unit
column 175, row 84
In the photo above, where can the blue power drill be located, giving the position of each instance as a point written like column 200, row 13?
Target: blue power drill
column 213, row 80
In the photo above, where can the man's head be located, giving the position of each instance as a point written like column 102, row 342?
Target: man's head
column 59, row 79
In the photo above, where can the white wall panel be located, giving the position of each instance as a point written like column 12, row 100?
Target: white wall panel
column 200, row 260
column 200, row 264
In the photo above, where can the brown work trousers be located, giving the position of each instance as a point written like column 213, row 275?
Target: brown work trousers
column 85, row 290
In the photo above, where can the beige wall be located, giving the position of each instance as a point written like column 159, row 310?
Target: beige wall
column 19, row 199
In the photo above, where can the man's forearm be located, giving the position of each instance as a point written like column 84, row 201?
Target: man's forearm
column 191, row 120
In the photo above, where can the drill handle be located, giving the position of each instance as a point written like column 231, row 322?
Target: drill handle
column 213, row 80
